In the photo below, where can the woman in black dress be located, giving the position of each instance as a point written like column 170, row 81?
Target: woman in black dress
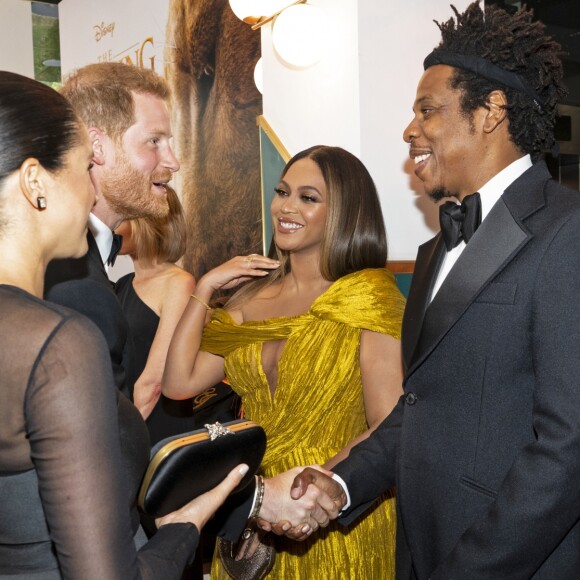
column 65, row 485
column 153, row 299
column 154, row 296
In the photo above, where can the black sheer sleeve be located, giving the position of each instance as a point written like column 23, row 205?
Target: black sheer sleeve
column 70, row 413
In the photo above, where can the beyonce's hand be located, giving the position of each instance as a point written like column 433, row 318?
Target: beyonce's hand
column 199, row 510
column 237, row 270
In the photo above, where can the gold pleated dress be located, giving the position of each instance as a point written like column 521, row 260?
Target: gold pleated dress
column 317, row 409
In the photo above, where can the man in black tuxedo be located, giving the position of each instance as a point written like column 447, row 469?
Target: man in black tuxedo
column 484, row 445
column 126, row 111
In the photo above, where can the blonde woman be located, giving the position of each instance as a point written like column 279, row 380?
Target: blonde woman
column 153, row 299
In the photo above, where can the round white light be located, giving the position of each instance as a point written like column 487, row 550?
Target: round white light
column 246, row 8
column 252, row 9
column 300, row 35
column 259, row 75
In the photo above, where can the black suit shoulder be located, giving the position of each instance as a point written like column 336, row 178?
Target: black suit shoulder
column 82, row 285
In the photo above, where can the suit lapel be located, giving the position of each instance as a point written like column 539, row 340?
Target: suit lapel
column 93, row 254
column 95, row 264
column 499, row 238
column 429, row 259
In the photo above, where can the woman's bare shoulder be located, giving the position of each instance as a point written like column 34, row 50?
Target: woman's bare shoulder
column 178, row 275
column 168, row 286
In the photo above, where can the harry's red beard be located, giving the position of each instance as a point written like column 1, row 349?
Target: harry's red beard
column 130, row 194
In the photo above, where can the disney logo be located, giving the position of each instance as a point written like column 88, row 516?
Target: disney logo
column 103, row 29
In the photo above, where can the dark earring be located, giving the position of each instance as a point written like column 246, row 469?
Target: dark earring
column 41, row 202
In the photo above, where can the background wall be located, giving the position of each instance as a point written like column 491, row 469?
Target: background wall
column 16, row 38
column 360, row 97
column 320, row 104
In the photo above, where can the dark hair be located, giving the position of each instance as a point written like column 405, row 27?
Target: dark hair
column 161, row 239
column 35, row 122
column 102, row 94
column 514, row 43
column 354, row 233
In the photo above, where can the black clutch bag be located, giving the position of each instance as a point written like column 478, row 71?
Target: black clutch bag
column 187, row 465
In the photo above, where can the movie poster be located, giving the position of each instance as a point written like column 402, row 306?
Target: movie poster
column 208, row 57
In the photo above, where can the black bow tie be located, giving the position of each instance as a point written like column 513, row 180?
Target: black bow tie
column 117, row 243
column 459, row 221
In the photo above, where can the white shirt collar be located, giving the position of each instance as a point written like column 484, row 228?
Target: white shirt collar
column 103, row 236
column 495, row 187
column 489, row 194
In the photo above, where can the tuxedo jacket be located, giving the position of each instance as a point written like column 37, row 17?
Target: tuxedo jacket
column 484, row 444
column 83, row 285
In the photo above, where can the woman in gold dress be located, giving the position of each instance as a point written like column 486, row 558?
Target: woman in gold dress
column 312, row 346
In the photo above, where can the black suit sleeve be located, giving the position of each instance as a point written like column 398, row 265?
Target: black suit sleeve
column 370, row 468
column 230, row 520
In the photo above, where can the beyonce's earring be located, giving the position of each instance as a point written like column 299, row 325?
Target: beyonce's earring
column 41, row 202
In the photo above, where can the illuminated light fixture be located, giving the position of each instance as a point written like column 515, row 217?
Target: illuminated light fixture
column 300, row 35
column 299, row 32
column 247, row 10
column 259, row 76
column 260, row 12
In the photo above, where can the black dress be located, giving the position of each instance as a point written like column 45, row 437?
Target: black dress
column 66, row 483
column 170, row 417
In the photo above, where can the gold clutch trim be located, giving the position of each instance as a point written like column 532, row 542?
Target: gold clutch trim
column 170, row 447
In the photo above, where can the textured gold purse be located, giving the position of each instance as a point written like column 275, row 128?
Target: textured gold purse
column 238, row 564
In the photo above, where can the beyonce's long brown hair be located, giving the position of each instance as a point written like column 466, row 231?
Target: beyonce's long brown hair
column 354, row 235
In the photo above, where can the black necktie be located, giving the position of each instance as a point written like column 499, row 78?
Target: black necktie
column 117, row 242
column 459, row 221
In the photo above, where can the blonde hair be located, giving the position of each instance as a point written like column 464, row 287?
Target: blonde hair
column 161, row 239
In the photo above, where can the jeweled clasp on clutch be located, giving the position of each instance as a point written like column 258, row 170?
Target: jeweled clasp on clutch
column 217, row 430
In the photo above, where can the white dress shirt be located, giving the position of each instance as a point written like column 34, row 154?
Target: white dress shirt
column 103, row 236
column 489, row 193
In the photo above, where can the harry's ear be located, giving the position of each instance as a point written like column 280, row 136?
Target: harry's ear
column 32, row 183
column 97, row 137
column 497, row 111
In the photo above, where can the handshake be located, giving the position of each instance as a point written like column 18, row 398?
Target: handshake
column 299, row 501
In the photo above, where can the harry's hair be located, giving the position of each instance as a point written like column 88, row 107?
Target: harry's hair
column 102, row 94
column 514, row 43
column 35, row 121
column 354, row 235
column 161, row 239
